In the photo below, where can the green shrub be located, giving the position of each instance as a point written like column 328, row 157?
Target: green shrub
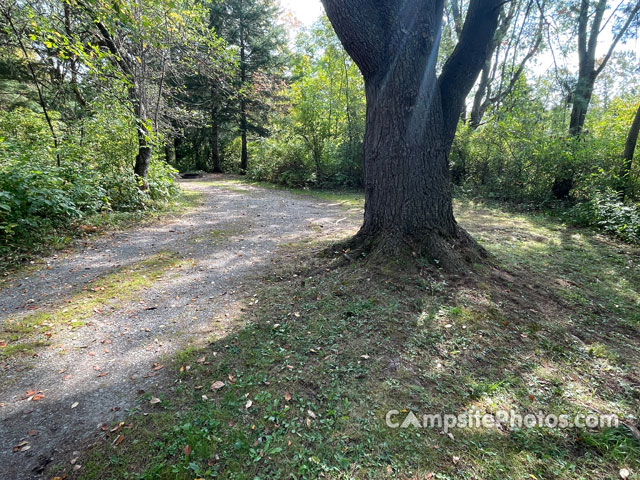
column 605, row 211
column 37, row 197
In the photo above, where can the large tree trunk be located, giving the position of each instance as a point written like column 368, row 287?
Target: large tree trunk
column 411, row 122
column 407, row 187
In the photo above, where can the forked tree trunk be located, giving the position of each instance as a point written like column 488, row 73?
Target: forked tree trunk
column 412, row 117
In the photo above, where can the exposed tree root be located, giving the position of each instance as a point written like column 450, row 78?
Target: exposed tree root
column 453, row 254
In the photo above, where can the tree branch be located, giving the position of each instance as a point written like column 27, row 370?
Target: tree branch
column 619, row 36
column 463, row 66
column 363, row 27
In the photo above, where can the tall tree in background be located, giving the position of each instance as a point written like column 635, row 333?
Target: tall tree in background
column 252, row 28
column 629, row 152
column 412, row 116
column 591, row 22
column 588, row 35
column 515, row 43
column 146, row 44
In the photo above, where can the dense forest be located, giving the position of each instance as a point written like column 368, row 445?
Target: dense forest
column 103, row 101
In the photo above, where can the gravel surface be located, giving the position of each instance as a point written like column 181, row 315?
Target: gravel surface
column 92, row 375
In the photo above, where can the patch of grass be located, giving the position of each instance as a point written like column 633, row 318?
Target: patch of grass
column 348, row 199
column 24, row 334
column 322, row 354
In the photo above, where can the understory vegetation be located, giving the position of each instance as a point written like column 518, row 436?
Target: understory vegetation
column 292, row 392
column 42, row 204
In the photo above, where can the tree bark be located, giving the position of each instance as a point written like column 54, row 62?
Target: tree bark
column 244, row 154
column 412, row 116
column 143, row 157
column 479, row 106
column 170, row 152
column 216, row 164
column 629, row 152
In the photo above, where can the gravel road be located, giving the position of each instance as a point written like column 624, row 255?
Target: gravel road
column 54, row 403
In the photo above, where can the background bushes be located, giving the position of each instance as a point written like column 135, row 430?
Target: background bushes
column 38, row 197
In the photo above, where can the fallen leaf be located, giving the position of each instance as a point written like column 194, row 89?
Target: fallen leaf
column 75, row 404
column 187, row 450
column 17, row 447
column 118, row 440
column 311, row 414
column 117, row 428
column 248, row 404
column 3, row 344
column 217, row 385
column 103, row 374
column 287, row 396
column 37, row 397
column 625, row 473
column 155, row 400
column 32, row 433
column 455, row 460
column 365, row 357
column 202, row 359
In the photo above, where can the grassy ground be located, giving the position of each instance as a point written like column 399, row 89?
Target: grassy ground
column 27, row 255
column 320, row 355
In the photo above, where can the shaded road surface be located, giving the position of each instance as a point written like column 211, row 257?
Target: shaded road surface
column 54, row 402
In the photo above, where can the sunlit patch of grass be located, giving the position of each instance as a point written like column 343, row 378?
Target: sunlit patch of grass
column 100, row 296
column 349, row 199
